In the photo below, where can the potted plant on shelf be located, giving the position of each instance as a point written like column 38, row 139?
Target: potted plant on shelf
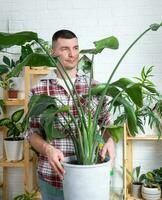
column 136, row 181
column 14, row 141
column 7, row 83
column 26, row 196
column 89, row 135
column 151, row 189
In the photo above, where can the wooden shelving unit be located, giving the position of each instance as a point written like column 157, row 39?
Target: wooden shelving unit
column 128, row 159
column 5, row 164
column 31, row 76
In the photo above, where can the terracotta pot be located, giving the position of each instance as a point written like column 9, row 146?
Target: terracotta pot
column 12, row 94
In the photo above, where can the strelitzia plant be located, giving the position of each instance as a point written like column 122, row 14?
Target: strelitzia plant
column 89, row 135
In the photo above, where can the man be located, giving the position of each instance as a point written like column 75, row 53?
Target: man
column 50, row 171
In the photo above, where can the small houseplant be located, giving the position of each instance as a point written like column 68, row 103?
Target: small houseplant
column 136, row 181
column 88, row 138
column 151, row 188
column 7, row 83
column 26, row 196
column 14, row 141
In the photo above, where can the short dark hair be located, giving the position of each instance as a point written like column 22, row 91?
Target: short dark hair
column 66, row 34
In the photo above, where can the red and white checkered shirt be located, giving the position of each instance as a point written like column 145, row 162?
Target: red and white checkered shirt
column 53, row 88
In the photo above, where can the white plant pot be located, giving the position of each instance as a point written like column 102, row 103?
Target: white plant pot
column 151, row 193
column 136, row 190
column 14, row 149
column 86, row 182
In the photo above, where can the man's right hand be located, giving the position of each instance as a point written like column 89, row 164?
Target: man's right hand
column 55, row 156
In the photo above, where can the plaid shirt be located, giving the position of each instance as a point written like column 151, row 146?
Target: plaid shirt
column 52, row 88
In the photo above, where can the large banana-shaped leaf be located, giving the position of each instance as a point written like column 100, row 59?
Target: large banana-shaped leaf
column 33, row 59
column 130, row 116
column 134, row 90
column 10, row 39
column 47, row 120
column 110, row 42
column 38, row 103
column 98, row 89
column 116, row 132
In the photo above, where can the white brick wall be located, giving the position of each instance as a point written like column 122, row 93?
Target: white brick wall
column 92, row 20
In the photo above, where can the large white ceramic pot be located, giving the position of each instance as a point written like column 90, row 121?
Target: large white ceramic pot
column 151, row 193
column 136, row 190
column 86, row 182
column 14, row 149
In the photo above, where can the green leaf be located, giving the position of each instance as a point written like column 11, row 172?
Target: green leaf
column 2, row 106
column 135, row 93
column 16, row 116
column 138, row 169
column 130, row 116
column 99, row 88
column 150, row 89
column 33, row 59
column 155, row 27
column 130, row 174
column 20, row 127
column 47, row 121
column 116, row 132
column 5, row 121
column 85, row 64
column 123, row 83
column 110, row 42
column 134, row 90
column 38, row 103
column 89, row 51
column 20, row 38
column 3, row 69
column 99, row 139
column 6, row 60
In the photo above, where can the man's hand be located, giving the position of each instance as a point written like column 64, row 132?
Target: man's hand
column 55, row 156
column 109, row 147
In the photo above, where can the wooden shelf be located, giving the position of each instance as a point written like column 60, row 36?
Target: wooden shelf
column 144, row 137
column 14, row 102
column 5, row 163
column 40, row 70
column 134, row 198
column 38, row 196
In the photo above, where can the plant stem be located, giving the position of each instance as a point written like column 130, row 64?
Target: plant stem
column 99, row 107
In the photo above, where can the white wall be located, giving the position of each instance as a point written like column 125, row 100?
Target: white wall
column 92, row 20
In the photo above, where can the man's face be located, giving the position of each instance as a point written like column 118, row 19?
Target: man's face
column 68, row 52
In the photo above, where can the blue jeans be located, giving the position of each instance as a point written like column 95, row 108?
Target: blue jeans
column 49, row 192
